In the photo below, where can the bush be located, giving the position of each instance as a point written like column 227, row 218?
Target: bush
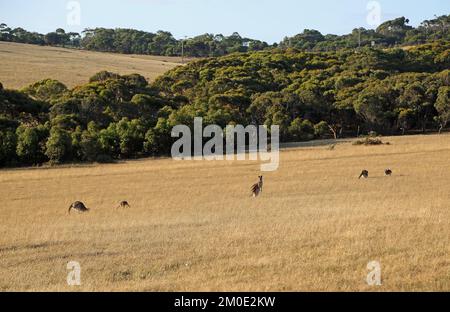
column 59, row 145
column 371, row 139
column 301, row 130
column 321, row 129
column 90, row 148
column 31, row 143
column 46, row 90
column 103, row 76
column 8, row 143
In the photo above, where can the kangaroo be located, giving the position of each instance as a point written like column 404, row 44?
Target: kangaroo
column 388, row 172
column 79, row 207
column 124, row 204
column 364, row 174
column 257, row 187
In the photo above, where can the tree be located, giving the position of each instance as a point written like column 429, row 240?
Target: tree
column 31, row 143
column 76, row 143
column 58, row 146
column 52, row 39
column 109, row 141
column 301, row 130
column 277, row 116
column 406, row 117
column 74, row 39
column 158, row 140
column 45, row 90
column 375, row 105
column 8, row 143
column 414, row 98
column 443, row 107
column 131, row 134
column 321, row 129
column 89, row 144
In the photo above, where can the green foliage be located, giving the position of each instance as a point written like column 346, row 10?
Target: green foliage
column 406, row 118
column 109, row 141
column 443, row 106
column 45, row 90
column 350, row 92
column 158, row 140
column 8, row 144
column 31, row 143
column 131, row 135
column 301, row 130
column 163, row 43
column 103, row 76
column 321, row 130
column 308, row 95
column 58, row 146
column 17, row 106
column 391, row 33
column 89, row 143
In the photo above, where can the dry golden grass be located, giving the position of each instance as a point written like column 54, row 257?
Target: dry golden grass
column 193, row 226
column 23, row 64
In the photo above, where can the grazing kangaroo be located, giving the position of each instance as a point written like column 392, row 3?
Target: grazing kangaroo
column 257, row 187
column 364, row 174
column 124, row 204
column 388, row 172
column 78, row 206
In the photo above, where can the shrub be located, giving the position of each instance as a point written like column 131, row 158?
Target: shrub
column 371, row 139
column 301, row 130
column 59, row 145
column 103, row 76
column 46, row 90
column 8, row 143
column 31, row 143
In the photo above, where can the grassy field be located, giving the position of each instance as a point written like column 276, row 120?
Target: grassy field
column 23, row 64
column 192, row 226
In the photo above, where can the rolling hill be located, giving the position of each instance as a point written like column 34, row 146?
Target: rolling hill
column 23, row 64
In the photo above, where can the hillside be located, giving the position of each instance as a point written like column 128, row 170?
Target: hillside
column 308, row 95
column 23, row 64
column 193, row 226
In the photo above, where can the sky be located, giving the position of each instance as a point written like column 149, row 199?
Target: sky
column 267, row 20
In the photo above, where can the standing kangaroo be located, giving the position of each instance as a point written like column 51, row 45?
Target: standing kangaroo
column 78, row 206
column 257, row 187
column 388, row 172
column 364, row 174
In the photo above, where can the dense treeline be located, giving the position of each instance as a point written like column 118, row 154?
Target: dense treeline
column 163, row 43
column 392, row 33
column 56, row 38
column 309, row 95
column 130, row 41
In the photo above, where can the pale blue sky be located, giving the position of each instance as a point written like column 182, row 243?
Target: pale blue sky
column 269, row 20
